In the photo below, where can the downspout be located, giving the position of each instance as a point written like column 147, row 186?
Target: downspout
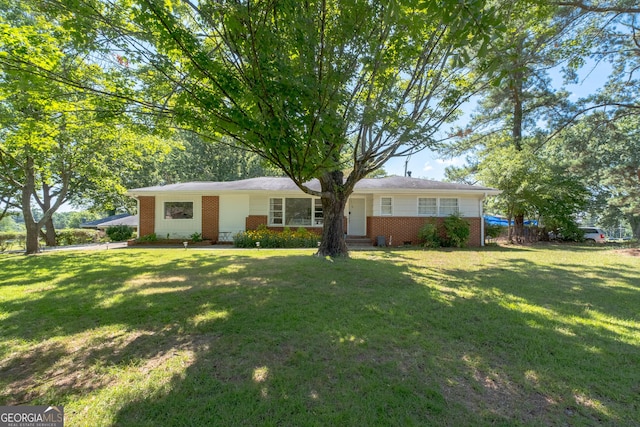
column 482, row 220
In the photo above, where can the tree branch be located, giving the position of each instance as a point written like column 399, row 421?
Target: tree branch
column 600, row 8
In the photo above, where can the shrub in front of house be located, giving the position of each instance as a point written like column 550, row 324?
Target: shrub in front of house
column 287, row 238
column 454, row 231
column 429, row 235
column 153, row 237
column 120, row 233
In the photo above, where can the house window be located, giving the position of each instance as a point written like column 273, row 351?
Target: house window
column 275, row 211
column 295, row 211
column 448, row 207
column 386, row 206
column 318, row 216
column 178, row 210
column 427, row 206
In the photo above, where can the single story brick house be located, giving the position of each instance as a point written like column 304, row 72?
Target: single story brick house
column 394, row 207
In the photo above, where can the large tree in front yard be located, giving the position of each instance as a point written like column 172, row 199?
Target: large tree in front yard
column 315, row 87
column 55, row 142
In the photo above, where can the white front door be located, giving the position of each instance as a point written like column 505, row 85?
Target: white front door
column 233, row 213
column 357, row 218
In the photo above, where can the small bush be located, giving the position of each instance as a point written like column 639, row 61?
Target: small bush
column 301, row 238
column 456, row 231
column 76, row 236
column 571, row 233
column 429, row 236
column 453, row 232
column 120, row 233
column 196, row 237
column 492, row 231
column 148, row 238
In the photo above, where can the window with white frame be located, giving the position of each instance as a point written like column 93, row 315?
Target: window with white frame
column 275, row 211
column 295, row 211
column 427, row 206
column 386, row 206
column 448, row 207
column 318, row 216
column 178, row 210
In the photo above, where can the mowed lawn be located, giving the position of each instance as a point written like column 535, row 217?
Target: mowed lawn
column 158, row 337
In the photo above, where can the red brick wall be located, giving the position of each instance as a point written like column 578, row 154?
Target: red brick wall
column 147, row 215
column 314, row 230
column 405, row 229
column 210, row 217
column 253, row 221
column 475, row 238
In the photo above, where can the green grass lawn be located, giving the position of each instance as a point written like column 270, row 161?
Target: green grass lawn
column 500, row 336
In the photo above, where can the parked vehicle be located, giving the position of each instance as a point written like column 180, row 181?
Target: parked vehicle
column 592, row 234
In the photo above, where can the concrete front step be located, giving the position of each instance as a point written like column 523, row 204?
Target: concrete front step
column 358, row 241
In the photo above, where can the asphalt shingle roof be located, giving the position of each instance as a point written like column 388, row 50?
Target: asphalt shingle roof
column 130, row 220
column 97, row 222
column 274, row 184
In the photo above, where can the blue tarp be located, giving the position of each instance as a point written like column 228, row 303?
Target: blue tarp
column 496, row 220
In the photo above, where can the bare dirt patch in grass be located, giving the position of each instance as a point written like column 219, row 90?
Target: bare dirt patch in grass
column 629, row 252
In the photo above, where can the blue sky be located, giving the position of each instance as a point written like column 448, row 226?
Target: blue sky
column 427, row 164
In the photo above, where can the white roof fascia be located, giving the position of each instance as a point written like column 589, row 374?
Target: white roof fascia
column 414, row 192
column 284, row 186
column 376, row 191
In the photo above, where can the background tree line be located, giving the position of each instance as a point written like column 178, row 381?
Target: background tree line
column 555, row 160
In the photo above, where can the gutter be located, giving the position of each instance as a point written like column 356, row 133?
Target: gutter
column 138, row 209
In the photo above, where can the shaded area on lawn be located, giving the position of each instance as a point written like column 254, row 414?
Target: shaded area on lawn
column 388, row 337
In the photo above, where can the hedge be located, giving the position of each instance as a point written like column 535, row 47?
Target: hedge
column 12, row 239
column 64, row 237
column 77, row 236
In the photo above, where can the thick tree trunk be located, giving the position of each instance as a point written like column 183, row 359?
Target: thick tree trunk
column 634, row 222
column 510, row 226
column 516, row 134
column 33, row 228
column 33, row 237
column 518, row 113
column 50, row 233
column 519, row 227
column 334, row 199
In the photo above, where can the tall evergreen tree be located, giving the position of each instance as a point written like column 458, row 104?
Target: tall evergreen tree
column 507, row 130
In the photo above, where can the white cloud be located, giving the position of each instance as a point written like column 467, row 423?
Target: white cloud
column 456, row 161
column 427, row 167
